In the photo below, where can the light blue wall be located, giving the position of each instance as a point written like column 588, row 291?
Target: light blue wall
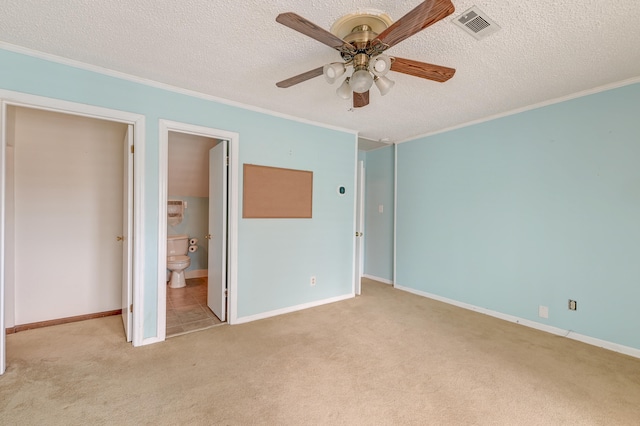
column 531, row 209
column 196, row 225
column 378, row 238
column 322, row 246
column 276, row 257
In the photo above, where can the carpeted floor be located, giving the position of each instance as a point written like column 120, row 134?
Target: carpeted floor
column 384, row 358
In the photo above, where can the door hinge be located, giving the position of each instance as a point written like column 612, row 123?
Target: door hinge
column 226, row 293
column 227, row 160
column 131, row 308
column 132, row 149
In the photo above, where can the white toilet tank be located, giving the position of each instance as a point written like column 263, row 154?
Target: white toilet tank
column 177, row 245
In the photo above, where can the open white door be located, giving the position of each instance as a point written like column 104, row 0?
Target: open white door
column 217, row 237
column 359, row 227
column 127, row 232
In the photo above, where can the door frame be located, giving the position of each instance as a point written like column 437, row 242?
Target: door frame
column 11, row 98
column 167, row 126
column 359, row 241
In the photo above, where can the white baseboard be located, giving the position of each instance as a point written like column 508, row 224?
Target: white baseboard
column 382, row 280
column 627, row 350
column 290, row 309
column 196, row 273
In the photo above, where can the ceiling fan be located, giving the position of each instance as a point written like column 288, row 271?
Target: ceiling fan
column 362, row 40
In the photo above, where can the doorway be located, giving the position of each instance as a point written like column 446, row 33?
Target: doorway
column 359, row 256
column 55, row 200
column 197, row 200
column 199, row 170
column 65, row 196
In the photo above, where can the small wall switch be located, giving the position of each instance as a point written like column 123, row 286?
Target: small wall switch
column 380, row 208
column 573, row 305
column 543, row 311
column 313, row 280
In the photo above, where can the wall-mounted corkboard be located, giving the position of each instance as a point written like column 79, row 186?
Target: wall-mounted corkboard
column 272, row 192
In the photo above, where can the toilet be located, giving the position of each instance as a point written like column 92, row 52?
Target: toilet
column 177, row 259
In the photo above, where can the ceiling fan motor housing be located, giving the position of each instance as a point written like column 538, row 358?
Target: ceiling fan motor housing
column 361, row 37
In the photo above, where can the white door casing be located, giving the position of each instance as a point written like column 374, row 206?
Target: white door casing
column 127, row 234
column 3, row 119
column 359, row 228
column 217, row 236
column 233, row 148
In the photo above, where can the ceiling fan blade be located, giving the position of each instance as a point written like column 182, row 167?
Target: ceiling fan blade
column 308, row 28
column 422, row 69
column 300, row 78
column 360, row 99
column 426, row 13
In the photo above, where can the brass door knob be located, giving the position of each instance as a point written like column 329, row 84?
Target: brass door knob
column 208, row 236
column 120, row 238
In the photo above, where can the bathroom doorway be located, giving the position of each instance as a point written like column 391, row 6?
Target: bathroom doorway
column 194, row 198
column 67, row 187
column 199, row 177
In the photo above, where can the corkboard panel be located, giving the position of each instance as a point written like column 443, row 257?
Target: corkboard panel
column 272, row 192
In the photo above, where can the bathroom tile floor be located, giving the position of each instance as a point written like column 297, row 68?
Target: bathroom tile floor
column 187, row 308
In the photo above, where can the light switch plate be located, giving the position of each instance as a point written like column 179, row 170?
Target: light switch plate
column 543, row 311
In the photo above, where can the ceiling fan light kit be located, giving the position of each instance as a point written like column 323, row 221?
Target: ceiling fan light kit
column 383, row 84
column 333, row 71
column 361, row 39
column 380, row 65
column 361, row 81
column 344, row 91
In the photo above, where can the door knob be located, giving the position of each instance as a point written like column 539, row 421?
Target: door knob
column 208, row 236
column 120, row 238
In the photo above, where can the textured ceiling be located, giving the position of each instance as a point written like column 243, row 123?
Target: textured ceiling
column 546, row 49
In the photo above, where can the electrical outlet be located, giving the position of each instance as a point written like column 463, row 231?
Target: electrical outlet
column 313, row 280
column 573, row 305
column 543, row 311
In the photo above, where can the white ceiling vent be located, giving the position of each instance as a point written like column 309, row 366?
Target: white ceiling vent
column 477, row 23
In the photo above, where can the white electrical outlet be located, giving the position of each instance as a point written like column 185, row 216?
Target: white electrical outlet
column 313, row 280
column 543, row 311
column 380, row 208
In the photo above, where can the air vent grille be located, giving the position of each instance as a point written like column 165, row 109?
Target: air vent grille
column 476, row 23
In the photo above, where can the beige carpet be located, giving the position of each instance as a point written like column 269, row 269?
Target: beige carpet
column 384, row 358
